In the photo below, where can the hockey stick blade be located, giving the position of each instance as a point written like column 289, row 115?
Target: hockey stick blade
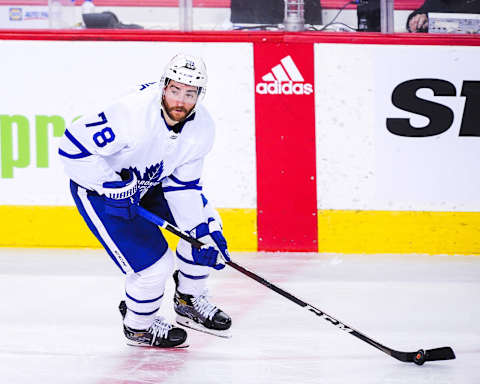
column 419, row 357
column 444, row 353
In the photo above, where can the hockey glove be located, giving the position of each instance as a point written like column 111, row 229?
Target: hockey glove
column 208, row 254
column 122, row 197
column 216, row 234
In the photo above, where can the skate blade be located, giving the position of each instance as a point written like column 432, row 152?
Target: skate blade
column 136, row 344
column 189, row 323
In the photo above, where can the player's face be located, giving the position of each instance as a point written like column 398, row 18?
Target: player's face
column 179, row 100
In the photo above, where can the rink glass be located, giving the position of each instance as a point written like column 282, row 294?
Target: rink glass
column 387, row 16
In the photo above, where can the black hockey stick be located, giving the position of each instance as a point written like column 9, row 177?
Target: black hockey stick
column 419, row 357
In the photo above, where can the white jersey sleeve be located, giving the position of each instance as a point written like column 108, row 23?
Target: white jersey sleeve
column 87, row 144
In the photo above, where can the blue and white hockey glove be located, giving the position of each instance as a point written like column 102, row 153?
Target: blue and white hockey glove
column 122, row 197
column 206, row 255
column 216, row 234
column 215, row 244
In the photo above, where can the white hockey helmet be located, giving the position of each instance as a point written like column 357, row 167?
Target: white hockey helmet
column 186, row 69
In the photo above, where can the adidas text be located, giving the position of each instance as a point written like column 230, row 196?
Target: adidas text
column 284, row 88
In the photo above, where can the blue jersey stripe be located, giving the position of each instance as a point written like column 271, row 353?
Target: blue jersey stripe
column 194, row 277
column 204, row 199
column 178, row 181
column 144, row 313
column 83, row 151
column 143, row 301
column 185, row 260
column 186, row 187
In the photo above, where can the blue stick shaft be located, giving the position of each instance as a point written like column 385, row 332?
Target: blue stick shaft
column 147, row 215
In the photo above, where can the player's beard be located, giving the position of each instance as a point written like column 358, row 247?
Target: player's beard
column 179, row 113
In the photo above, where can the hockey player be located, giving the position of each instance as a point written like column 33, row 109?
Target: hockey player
column 148, row 148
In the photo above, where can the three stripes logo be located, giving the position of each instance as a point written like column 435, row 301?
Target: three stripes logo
column 284, row 79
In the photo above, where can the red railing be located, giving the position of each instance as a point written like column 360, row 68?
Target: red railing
column 242, row 36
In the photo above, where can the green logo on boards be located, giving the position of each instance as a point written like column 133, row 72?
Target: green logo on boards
column 16, row 136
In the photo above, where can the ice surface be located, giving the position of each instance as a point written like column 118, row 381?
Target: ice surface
column 60, row 323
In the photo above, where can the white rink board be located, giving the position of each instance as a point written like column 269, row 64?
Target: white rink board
column 360, row 164
column 74, row 77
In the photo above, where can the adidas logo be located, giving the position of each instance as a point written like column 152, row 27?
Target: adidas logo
column 284, row 79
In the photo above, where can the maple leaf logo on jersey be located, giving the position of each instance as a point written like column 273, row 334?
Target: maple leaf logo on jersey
column 150, row 178
column 284, row 79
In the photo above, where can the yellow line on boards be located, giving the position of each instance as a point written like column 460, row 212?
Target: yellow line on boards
column 351, row 231
column 63, row 227
column 339, row 231
column 44, row 226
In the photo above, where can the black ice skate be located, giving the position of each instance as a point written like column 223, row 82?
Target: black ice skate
column 160, row 334
column 197, row 313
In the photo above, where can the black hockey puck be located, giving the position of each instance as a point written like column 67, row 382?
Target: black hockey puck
column 419, row 358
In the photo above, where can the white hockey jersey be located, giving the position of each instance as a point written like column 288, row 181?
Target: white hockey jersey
column 132, row 134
